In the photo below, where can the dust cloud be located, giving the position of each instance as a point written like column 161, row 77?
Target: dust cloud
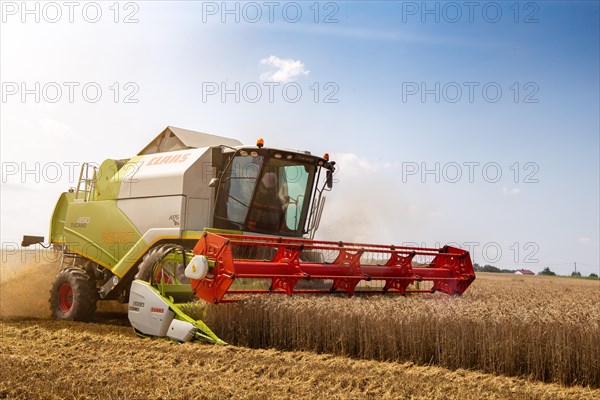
column 366, row 206
column 25, row 282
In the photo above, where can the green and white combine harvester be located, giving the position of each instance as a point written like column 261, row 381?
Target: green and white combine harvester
column 191, row 213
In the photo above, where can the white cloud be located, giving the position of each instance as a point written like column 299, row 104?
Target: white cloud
column 355, row 165
column 585, row 239
column 508, row 190
column 282, row 70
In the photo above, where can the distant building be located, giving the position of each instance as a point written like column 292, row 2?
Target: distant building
column 524, row 272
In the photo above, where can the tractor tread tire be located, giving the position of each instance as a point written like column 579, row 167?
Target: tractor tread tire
column 84, row 295
column 150, row 259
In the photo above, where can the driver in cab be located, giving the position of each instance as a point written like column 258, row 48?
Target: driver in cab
column 270, row 202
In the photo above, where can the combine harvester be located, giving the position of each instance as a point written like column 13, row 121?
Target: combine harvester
column 193, row 213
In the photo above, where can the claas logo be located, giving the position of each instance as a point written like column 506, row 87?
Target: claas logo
column 157, row 310
column 172, row 159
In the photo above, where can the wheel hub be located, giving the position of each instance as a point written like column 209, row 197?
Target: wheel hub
column 65, row 297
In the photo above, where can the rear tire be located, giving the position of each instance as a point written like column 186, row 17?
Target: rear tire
column 73, row 295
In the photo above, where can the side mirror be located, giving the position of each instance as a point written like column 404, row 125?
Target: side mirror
column 214, row 182
column 217, row 157
column 329, row 179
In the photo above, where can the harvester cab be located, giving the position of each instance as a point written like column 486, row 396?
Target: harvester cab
column 268, row 191
column 195, row 215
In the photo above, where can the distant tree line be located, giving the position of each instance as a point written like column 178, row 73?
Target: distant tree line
column 546, row 271
column 491, row 268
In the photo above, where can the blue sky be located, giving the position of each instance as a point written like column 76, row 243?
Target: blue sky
column 370, row 57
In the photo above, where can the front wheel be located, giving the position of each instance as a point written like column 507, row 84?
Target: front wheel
column 73, row 295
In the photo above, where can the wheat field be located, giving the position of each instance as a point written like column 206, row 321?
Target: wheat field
column 541, row 328
column 45, row 359
column 508, row 337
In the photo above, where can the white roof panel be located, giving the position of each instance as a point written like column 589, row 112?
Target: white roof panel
column 172, row 138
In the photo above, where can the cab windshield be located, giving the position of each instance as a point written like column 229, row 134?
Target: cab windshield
column 266, row 195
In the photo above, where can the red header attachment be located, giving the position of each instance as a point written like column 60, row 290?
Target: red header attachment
column 335, row 266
